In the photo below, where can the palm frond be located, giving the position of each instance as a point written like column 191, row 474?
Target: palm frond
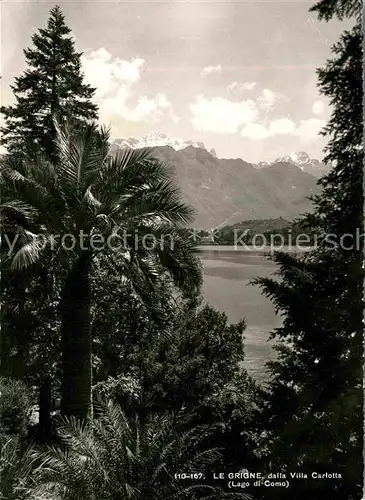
column 17, row 467
column 117, row 457
column 30, row 252
column 17, row 212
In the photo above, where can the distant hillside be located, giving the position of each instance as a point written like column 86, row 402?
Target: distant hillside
column 259, row 225
column 276, row 231
column 226, row 191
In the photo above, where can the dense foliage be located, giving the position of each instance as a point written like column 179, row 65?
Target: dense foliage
column 149, row 378
column 16, row 404
column 314, row 407
column 119, row 457
column 51, row 87
column 90, row 195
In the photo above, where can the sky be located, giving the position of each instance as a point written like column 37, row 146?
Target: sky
column 238, row 76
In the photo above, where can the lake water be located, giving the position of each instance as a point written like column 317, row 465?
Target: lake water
column 227, row 273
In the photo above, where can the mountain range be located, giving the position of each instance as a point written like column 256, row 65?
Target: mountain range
column 156, row 139
column 224, row 191
column 301, row 160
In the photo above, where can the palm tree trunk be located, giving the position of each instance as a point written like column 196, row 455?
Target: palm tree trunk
column 76, row 341
column 45, row 403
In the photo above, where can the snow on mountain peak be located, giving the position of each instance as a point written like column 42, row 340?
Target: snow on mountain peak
column 299, row 158
column 155, row 139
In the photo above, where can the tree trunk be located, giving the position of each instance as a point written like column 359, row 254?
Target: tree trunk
column 15, row 330
column 45, row 403
column 76, row 341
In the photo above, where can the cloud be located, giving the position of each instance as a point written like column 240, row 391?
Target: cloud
column 108, row 74
column 221, row 115
column 102, row 54
column 211, row 69
column 318, row 107
column 232, row 86
column 242, row 86
column 252, row 119
column 268, row 99
column 282, row 126
column 255, row 131
column 307, row 130
column 151, row 109
column 114, row 80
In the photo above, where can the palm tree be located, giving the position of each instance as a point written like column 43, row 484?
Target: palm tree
column 116, row 457
column 17, row 468
column 93, row 200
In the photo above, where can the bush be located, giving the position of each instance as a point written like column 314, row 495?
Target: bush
column 125, row 390
column 16, row 403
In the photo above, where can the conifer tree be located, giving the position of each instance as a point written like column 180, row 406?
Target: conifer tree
column 314, row 405
column 52, row 87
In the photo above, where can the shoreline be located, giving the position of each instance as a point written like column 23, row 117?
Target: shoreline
column 241, row 249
